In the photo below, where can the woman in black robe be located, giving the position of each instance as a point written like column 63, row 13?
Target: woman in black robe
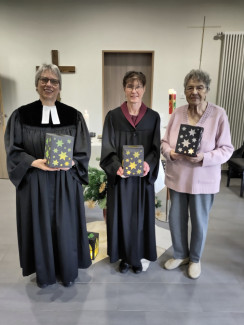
column 131, row 200
column 52, row 236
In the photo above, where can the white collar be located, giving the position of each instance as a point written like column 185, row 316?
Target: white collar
column 46, row 114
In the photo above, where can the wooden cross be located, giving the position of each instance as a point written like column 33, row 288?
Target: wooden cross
column 203, row 30
column 63, row 69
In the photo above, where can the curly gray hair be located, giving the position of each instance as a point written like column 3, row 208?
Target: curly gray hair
column 198, row 75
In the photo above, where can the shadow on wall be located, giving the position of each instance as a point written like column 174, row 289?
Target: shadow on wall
column 7, row 91
column 9, row 94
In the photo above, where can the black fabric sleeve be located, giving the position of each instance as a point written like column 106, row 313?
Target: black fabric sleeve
column 152, row 158
column 81, row 152
column 18, row 161
column 110, row 162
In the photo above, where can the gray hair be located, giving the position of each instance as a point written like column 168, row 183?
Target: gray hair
column 198, row 75
column 51, row 67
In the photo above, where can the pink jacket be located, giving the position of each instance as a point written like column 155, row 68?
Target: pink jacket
column 203, row 178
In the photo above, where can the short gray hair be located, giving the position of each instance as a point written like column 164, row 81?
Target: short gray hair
column 51, row 67
column 198, row 75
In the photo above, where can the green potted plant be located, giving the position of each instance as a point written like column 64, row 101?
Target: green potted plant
column 95, row 193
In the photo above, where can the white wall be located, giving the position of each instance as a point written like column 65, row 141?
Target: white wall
column 80, row 30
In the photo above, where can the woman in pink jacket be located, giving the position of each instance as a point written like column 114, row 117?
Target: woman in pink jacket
column 193, row 181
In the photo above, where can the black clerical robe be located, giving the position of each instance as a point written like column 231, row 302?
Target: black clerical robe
column 51, row 224
column 130, row 201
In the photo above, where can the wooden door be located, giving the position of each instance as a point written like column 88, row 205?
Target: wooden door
column 3, row 168
column 115, row 65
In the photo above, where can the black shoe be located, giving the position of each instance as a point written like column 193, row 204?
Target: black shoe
column 68, row 284
column 137, row 269
column 123, row 267
column 41, row 285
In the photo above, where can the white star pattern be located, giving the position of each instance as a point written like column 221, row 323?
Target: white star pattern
column 192, row 132
column 189, row 138
column 185, row 143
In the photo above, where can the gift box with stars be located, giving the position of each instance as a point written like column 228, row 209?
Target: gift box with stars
column 133, row 157
column 59, row 150
column 189, row 139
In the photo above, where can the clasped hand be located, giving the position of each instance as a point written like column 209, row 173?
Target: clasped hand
column 41, row 164
column 178, row 156
column 146, row 169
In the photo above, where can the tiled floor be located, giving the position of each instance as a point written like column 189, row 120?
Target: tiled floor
column 104, row 296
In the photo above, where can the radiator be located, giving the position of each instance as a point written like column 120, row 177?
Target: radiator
column 230, row 93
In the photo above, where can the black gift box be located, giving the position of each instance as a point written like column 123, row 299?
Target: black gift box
column 93, row 238
column 189, row 139
column 133, row 158
column 59, row 150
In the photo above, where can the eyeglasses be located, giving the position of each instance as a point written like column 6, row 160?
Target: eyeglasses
column 131, row 87
column 192, row 88
column 44, row 81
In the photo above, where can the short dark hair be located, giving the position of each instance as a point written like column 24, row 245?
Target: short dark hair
column 198, row 75
column 134, row 75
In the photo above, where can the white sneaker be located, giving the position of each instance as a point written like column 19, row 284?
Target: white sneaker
column 194, row 270
column 173, row 263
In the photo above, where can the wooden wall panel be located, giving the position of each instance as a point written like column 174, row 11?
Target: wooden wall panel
column 115, row 65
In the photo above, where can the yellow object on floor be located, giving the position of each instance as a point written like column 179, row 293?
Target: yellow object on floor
column 163, row 239
column 93, row 244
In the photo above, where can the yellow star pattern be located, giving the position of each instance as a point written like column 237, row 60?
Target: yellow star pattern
column 136, row 154
column 132, row 165
column 133, row 160
column 63, row 155
column 190, row 151
column 59, row 150
column 59, row 143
